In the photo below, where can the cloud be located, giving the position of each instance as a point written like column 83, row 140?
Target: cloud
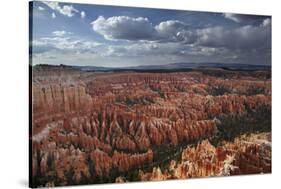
column 173, row 30
column 54, row 15
column 66, row 50
column 145, row 49
column 233, row 17
column 246, row 37
column 174, row 38
column 83, row 14
column 124, row 27
column 142, row 42
column 61, row 33
column 39, row 47
column 63, row 44
column 140, row 29
column 266, row 22
column 41, row 8
column 135, row 29
column 170, row 27
column 243, row 18
column 145, row 53
column 66, row 10
column 176, row 31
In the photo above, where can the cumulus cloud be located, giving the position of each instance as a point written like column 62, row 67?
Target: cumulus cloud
column 245, row 42
column 245, row 37
column 174, row 30
column 83, row 14
column 136, row 29
column 164, row 42
column 66, row 10
column 124, row 27
column 170, row 28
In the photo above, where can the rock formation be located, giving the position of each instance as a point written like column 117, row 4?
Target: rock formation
column 100, row 127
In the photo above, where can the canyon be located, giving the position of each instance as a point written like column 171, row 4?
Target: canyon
column 123, row 126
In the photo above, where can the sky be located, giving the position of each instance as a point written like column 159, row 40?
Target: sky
column 113, row 36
